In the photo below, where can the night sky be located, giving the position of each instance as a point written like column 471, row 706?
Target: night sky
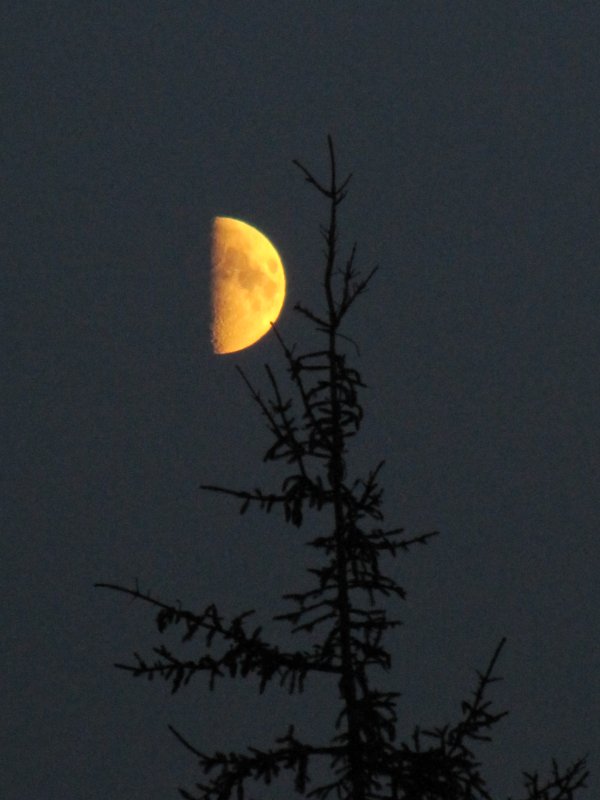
column 473, row 133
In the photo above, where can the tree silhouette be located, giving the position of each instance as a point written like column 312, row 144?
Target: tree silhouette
column 343, row 610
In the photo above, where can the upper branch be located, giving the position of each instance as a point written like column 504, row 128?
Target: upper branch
column 246, row 652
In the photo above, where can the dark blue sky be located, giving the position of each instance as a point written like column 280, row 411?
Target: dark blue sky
column 473, row 132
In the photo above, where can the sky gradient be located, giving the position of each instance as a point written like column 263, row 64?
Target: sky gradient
column 473, row 133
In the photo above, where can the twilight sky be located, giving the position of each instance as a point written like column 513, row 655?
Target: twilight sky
column 473, row 132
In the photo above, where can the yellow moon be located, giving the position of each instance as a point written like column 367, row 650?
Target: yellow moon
column 248, row 285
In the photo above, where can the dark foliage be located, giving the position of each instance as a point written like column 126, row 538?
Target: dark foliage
column 343, row 608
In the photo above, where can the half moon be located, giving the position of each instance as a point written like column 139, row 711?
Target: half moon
column 248, row 285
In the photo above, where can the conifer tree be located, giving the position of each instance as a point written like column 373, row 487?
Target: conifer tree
column 343, row 609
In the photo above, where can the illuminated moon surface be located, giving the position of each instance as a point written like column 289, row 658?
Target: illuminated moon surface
column 248, row 285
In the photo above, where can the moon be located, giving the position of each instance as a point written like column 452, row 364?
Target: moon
column 248, row 285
